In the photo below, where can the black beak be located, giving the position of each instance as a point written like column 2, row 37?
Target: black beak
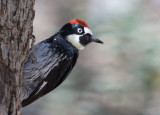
column 94, row 39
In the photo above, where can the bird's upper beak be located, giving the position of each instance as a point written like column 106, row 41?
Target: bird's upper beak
column 94, row 39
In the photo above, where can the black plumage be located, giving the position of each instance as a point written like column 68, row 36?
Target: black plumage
column 55, row 58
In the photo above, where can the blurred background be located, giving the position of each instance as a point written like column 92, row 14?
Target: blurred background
column 120, row 77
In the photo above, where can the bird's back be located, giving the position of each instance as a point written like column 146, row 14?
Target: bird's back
column 54, row 60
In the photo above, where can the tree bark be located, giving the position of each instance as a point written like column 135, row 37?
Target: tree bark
column 16, row 18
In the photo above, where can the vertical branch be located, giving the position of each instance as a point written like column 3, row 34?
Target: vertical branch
column 16, row 27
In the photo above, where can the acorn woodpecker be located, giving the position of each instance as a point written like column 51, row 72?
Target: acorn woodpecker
column 54, row 59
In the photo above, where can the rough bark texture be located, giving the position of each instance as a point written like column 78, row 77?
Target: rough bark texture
column 16, row 17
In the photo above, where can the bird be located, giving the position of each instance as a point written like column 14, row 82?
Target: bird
column 54, row 58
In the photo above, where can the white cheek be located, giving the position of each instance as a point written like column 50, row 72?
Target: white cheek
column 87, row 30
column 74, row 40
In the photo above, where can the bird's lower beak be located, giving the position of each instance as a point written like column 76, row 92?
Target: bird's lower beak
column 94, row 39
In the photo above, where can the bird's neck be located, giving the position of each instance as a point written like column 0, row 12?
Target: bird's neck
column 60, row 40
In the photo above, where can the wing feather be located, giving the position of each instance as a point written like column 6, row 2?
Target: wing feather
column 49, row 71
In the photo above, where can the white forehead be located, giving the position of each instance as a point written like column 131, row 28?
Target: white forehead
column 87, row 30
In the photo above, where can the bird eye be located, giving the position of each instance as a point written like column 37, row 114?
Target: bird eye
column 79, row 30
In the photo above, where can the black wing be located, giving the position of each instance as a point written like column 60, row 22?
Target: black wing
column 50, row 70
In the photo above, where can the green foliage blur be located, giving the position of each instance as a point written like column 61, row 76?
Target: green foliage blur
column 120, row 77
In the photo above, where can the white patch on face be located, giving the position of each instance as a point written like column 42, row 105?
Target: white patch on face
column 87, row 30
column 74, row 39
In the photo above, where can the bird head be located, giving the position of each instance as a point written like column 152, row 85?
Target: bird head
column 77, row 32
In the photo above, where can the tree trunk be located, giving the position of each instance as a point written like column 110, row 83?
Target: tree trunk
column 16, row 18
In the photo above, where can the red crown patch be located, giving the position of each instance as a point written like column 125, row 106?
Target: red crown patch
column 75, row 21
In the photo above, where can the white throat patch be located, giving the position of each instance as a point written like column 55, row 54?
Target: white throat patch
column 74, row 39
